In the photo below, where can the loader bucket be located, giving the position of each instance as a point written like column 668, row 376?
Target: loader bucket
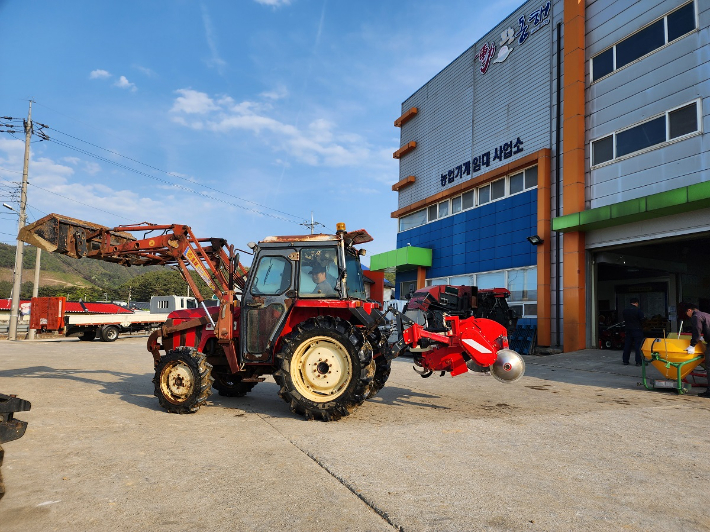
column 68, row 236
column 670, row 358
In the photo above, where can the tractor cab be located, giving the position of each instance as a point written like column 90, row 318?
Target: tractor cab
column 311, row 270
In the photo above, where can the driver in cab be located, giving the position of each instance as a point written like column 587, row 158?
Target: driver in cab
column 319, row 278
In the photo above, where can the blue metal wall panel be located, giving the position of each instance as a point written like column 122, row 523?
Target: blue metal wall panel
column 491, row 237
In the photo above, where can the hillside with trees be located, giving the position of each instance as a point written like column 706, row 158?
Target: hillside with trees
column 90, row 280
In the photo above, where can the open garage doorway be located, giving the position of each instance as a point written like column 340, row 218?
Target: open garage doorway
column 660, row 273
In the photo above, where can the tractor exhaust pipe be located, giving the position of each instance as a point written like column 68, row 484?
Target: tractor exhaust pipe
column 508, row 367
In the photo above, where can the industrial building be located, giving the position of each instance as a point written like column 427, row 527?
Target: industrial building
column 564, row 156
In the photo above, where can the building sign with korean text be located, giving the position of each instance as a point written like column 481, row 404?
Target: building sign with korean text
column 468, row 168
column 512, row 38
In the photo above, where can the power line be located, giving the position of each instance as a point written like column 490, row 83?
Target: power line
column 165, row 181
column 43, row 136
column 79, row 202
column 172, row 174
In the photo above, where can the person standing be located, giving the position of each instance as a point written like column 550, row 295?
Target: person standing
column 634, row 332
column 700, row 322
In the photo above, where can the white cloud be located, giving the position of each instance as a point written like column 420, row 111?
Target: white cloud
column 99, row 74
column 123, row 83
column 194, row 102
column 318, row 144
column 278, row 93
column 147, row 71
column 274, row 3
column 57, row 187
column 215, row 59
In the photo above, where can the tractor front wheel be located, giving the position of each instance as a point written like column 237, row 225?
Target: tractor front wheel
column 325, row 368
column 183, row 380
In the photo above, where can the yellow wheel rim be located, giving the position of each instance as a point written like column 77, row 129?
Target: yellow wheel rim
column 176, row 382
column 321, row 369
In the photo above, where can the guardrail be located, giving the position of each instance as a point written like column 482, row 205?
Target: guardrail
column 21, row 328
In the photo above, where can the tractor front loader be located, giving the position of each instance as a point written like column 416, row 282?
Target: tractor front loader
column 300, row 313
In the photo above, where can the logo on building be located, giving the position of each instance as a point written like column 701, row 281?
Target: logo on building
column 510, row 39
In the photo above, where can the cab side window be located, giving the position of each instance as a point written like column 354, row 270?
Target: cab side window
column 273, row 276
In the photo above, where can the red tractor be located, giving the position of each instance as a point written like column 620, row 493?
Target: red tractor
column 299, row 314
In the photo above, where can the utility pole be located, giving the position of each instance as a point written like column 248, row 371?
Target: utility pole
column 312, row 224
column 35, row 290
column 17, row 284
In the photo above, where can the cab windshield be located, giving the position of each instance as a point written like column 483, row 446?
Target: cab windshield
column 356, row 281
column 319, row 272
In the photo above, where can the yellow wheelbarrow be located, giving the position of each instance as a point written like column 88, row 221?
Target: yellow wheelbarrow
column 670, row 358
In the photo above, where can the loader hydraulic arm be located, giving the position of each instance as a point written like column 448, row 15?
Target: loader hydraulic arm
column 165, row 245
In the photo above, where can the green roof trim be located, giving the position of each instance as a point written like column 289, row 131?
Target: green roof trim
column 402, row 259
column 674, row 201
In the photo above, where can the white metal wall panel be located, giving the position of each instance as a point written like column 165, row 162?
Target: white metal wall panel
column 672, row 76
column 463, row 113
column 512, row 100
column 668, row 226
column 442, row 128
column 609, row 21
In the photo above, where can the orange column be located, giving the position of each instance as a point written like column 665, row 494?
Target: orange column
column 544, row 225
column 421, row 277
column 574, row 274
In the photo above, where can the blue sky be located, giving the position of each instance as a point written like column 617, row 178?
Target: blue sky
column 237, row 117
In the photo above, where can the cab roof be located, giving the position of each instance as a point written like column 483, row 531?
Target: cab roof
column 352, row 238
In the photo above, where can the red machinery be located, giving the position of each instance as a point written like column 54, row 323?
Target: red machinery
column 300, row 313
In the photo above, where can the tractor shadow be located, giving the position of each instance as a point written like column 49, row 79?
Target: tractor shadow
column 396, row 396
column 137, row 390
column 131, row 388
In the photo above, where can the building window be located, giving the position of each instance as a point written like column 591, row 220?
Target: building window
column 496, row 190
column 670, row 126
column 412, row 220
column 456, row 205
column 432, row 213
column 443, row 208
column 484, row 195
column 517, row 183
column 468, row 200
column 530, row 177
column 647, row 40
column 406, row 288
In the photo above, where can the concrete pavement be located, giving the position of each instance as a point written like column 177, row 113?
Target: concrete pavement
column 575, row 444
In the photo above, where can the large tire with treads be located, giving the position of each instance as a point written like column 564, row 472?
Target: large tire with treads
column 324, row 368
column 183, row 380
column 383, row 367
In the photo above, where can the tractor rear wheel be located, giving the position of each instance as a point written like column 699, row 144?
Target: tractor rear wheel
column 228, row 385
column 383, row 367
column 324, row 368
column 183, row 380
